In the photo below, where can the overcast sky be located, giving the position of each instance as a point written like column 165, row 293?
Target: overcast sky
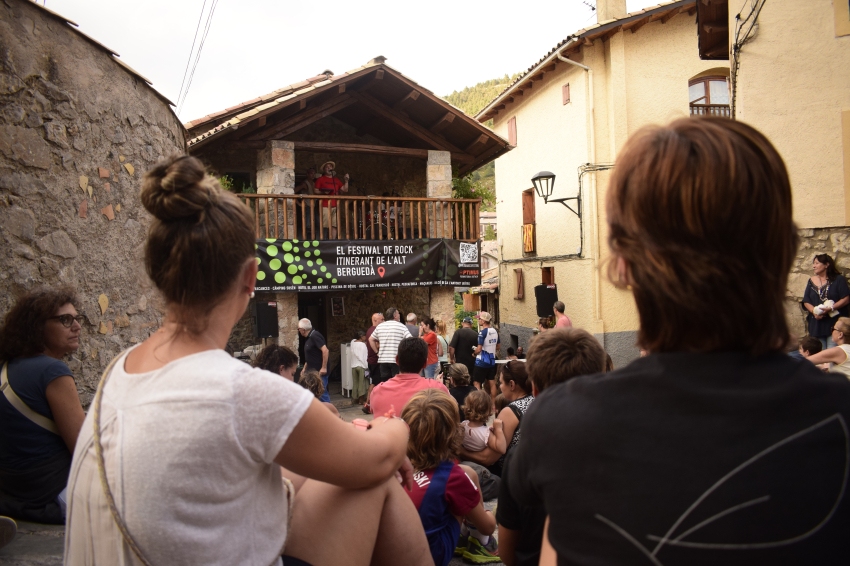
column 256, row 46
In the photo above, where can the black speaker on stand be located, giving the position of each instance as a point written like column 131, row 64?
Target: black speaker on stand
column 546, row 295
column 264, row 319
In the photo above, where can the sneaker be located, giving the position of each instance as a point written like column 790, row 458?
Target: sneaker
column 367, row 409
column 462, row 544
column 477, row 553
column 8, row 529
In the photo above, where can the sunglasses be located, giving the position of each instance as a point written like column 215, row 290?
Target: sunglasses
column 67, row 320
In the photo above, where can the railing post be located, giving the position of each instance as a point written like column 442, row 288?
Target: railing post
column 439, row 181
column 275, row 176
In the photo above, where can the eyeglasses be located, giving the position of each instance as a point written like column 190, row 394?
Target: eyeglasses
column 67, row 320
column 836, row 329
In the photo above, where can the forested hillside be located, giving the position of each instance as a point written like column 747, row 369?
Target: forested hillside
column 482, row 182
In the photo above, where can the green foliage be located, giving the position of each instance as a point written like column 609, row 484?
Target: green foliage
column 468, row 187
column 489, row 232
column 460, row 314
column 473, row 99
column 228, row 184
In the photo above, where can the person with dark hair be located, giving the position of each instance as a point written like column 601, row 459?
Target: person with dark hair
column 459, row 386
column 489, row 342
column 826, row 297
column 278, row 359
column 315, row 353
column 189, row 456
column 427, row 331
column 328, row 184
column 477, row 407
column 716, row 447
column 555, row 357
column 516, row 387
column 385, row 339
column 809, row 346
column 312, row 382
column 40, row 410
column 391, row 396
column 520, row 353
column 561, row 320
column 511, row 354
column 464, row 341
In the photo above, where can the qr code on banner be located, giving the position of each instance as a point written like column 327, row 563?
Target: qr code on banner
column 468, row 253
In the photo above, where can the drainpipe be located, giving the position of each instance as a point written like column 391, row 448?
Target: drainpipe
column 591, row 141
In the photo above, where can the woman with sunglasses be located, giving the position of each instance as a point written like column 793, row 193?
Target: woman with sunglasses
column 840, row 354
column 39, row 406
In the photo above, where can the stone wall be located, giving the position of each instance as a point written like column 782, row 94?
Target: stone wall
column 832, row 241
column 77, row 130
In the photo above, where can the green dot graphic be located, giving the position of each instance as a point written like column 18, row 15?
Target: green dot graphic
column 295, row 241
column 292, row 269
column 271, row 250
column 275, row 264
column 261, row 275
column 323, row 268
column 426, row 247
column 287, row 246
column 309, row 263
column 442, row 262
column 315, row 244
column 306, row 244
column 256, row 246
column 296, row 249
column 314, row 272
column 318, row 261
column 421, row 272
column 317, row 252
column 279, row 277
column 288, row 258
column 300, row 268
column 424, row 264
column 270, row 240
column 259, row 261
column 307, row 254
column 296, row 280
column 440, row 273
column 431, row 272
column 297, row 258
column 425, row 255
column 333, row 280
column 452, row 270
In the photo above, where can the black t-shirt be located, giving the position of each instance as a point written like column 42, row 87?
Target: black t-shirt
column 528, row 519
column 313, row 350
column 836, row 291
column 464, row 341
column 460, row 393
column 692, row 459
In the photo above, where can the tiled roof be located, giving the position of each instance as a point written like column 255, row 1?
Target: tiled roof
column 592, row 32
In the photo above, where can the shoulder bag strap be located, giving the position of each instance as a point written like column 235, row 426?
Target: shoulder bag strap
column 101, row 466
column 22, row 407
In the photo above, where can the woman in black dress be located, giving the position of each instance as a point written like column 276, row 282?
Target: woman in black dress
column 825, row 285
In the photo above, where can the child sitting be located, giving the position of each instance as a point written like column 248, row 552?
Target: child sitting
column 444, row 492
column 499, row 403
column 459, row 386
column 476, row 434
column 312, row 382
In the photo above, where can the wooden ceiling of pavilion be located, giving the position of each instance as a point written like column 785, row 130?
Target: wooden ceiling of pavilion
column 376, row 100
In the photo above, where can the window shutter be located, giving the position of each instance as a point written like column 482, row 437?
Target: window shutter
column 566, row 93
column 512, row 131
column 520, row 286
column 547, row 276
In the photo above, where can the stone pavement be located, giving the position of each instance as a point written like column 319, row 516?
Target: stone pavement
column 43, row 545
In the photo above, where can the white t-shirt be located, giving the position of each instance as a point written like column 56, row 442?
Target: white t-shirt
column 475, row 438
column 388, row 334
column 359, row 353
column 189, row 453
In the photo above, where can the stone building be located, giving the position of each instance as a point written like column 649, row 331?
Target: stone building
column 809, row 123
column 398, row 142
column 570, row 114
column 78, row 127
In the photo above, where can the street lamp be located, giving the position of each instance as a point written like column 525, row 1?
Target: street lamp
column 544, row 182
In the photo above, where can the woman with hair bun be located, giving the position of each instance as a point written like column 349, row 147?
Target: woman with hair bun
column 826, row 298
column 717, row 447
column 189, row 456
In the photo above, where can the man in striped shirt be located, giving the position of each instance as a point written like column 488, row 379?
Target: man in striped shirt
column 385, row 340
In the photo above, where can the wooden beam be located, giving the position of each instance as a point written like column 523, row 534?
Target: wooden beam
column 715, row 28
column 262, row 121
column 611, row 33
column 482, row 139
column 335, row 147
column 303, row 104
column 692, row 10
column 379, row 74
column 408, row 99
column 443, row 122
column 341, row 89
column 404, row 122
column 637, row 24
column 548, row 68
column 303, row 119
column 669, row 16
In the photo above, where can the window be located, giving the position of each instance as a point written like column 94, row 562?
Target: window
column 520, row 285
column 709, row 95
column 566, row 93
column 512, row 131
column 547, row 275
column 529, row 239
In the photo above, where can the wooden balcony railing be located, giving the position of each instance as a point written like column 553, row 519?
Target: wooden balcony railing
column 711, row 110
column 364, row 218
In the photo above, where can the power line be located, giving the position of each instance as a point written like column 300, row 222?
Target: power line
column 189, row 60
column 198, row 54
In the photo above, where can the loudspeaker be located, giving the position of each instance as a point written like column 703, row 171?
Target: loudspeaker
column 264, row 319
column 546, row 296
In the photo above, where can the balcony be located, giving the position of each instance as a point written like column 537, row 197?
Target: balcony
column 364, row 218
column 721, row 110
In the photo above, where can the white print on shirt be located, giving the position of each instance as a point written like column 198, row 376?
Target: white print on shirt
column 670, row 539
column 421, row 479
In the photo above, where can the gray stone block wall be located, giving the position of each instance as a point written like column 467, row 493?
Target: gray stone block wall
column 77, row 131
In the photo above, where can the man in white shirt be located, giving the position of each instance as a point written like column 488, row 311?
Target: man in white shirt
column 359, row 365
column 385, row 340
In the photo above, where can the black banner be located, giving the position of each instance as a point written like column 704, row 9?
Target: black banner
column 298, row 265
